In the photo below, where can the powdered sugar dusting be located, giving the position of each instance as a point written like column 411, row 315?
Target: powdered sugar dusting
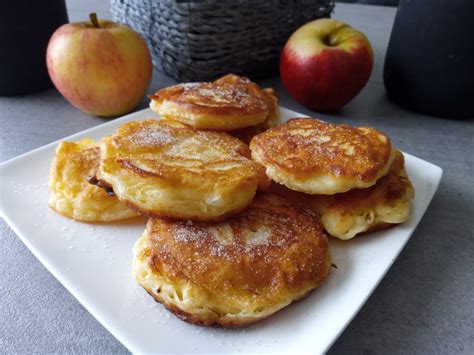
column 222, row 232
column 187, row 232
column 152, row 135
column 187, row 86
column 262, row 232
column 217, row 94
column 259, row 237
column 226, row 240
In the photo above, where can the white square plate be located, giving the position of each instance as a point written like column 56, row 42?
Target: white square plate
column 93, row 261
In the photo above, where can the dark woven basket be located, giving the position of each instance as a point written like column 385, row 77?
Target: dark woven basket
column 201, row 40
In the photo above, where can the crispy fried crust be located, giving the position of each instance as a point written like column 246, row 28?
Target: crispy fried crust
column 235, row 272
column 167, row 169
column 381, row 206
column 229, row 103
column 216, row 321
column 71, row 194
column 315, row 157
column 246, row 134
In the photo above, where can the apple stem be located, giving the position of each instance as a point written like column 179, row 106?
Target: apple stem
column 94, row 20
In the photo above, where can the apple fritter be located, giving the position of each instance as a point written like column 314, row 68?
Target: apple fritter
column 167, row 169
column 235, row 272
column 229, row 103
column 347, row 214
column 315, row 157
column 70, row 193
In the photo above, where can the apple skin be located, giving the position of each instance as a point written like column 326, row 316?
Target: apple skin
column 325, row 64
column 102, row 71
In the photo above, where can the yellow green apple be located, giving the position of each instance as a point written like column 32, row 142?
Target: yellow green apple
column 101, row 67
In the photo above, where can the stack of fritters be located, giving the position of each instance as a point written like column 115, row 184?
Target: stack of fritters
column 215, row 251
column 353, row 177
column 211, row 252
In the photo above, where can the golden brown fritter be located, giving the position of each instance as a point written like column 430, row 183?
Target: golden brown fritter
column 71, row 194
column 229, row 103
column 315, row 157
column 347, row 214
column 168, row 169
column 235, row 272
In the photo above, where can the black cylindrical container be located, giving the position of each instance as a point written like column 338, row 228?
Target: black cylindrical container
column 25, row 29
column 429, row 66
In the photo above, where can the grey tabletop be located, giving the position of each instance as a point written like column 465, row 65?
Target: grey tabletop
column 425, row 304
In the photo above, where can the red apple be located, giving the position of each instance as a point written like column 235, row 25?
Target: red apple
column 101, row 67
column 325, row 63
